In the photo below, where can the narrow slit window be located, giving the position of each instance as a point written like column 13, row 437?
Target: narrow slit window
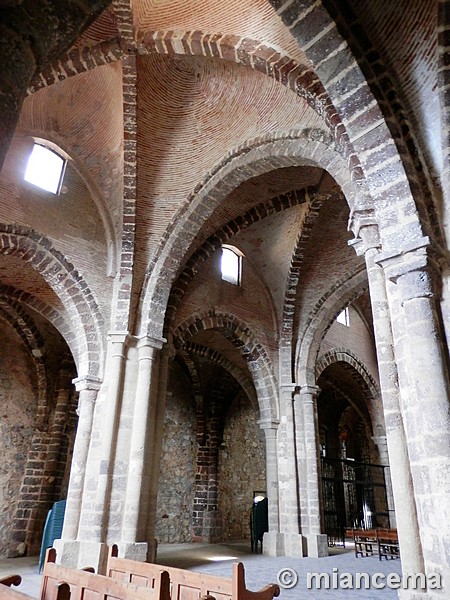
column 343, row 317
column 231, row 265
column 45, row 169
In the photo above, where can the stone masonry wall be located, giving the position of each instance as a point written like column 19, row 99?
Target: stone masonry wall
column 18, row 404
column 241, row 468
column 176, row 483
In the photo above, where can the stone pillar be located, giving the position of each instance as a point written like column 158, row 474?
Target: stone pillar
column 134, row 544
column 307, row 423
column 368, row 245
column 272, row 545
column 91, row 548
column 167, row 354
column 426, row 403
column 382, row 447
column 290, row 541
column 87, row 387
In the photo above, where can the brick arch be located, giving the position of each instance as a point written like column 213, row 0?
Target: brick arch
column 257, row 55
column 217, row 358
column 342, row 293
column 67, row 283
column 383, row 165
column 300, row 147
column 16, row 298
column 360, row 374
column 292, row 279
column 26, row 329
column 246, row 343
column 229, row 230
column 75, row 62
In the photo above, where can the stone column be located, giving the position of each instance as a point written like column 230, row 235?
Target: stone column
column 368, row 245
column 272, row 544
column 167, row 354
column 290, row 542
column 134, row 544
column 87, row 388
column 426, row 402
column 94, row 518
column 307, row 423
column 380, row 442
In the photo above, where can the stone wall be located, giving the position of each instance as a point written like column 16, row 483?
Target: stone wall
column 241, row 468
column 18, row 405
column 176, row 483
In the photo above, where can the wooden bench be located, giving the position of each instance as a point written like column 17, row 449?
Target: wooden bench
column 62, row 583
column 388, row 547
column 372, row 542
column 187, row 585
column 7, row 592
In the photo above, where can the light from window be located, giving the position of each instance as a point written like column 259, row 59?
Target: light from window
column 230, row 265
column 343, row 317
column 45, row 169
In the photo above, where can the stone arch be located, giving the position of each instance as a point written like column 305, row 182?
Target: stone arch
column 316, row 30
column 245, row 342
column 25, row 328
column 222, row 235
column 291, row 148
column 322, row 315
column 67, row 283
column 16, row 298
column 215, row 357
column 359, row 373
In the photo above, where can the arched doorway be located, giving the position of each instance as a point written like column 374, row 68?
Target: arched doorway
column 354, row 492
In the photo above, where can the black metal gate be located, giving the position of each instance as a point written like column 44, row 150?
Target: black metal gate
column 354, row 495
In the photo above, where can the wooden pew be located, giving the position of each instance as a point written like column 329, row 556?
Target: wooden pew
column 187, row 585
column 7, row 592
column 62, row 583
column 372, row 542
column 388, row 547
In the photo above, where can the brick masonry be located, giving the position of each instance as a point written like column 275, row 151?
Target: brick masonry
column 283, row 128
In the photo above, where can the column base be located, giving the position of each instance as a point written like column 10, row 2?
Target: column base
column 134, row 551
column 316, row 545
column 273, row 544
column 78, row 555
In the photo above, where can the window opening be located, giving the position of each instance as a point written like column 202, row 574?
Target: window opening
column 343, row 317
column 231, row 265
column 45, row 169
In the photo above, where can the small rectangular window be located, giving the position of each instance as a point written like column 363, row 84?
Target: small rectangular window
column 230, row 266
column 45, row 169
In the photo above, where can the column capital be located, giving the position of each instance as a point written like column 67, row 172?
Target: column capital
column 151, row 342
column 119, row 337
column 379, row 440
column 266, row 424
column 309, row 390
column 417, row 255
column 87, row 382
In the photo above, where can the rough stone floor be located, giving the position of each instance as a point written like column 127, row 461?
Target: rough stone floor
column 218, row 558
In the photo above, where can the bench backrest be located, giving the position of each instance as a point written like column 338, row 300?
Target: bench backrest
column 62, row 583
column 187, row 585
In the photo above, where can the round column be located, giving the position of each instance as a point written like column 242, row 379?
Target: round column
column 87, row 388
column 271, row 543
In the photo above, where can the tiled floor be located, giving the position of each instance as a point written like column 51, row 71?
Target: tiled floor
column 259, row 569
